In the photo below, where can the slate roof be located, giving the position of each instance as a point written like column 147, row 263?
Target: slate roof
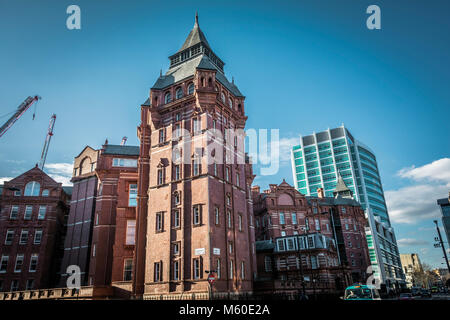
column 334, row 201
column 121, row 150
column 195, row 36
column 187, row 68
column 340, row 185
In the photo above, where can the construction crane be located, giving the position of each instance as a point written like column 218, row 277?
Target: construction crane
column 19, row 112
column 47, row 141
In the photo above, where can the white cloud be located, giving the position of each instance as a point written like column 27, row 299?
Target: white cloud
column 411, row 242
column 438, row 170
column 417, row 202
column 60, row 172
column 414, row 203
column 5, row 179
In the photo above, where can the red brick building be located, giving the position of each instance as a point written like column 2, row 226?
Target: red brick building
column 283, row 211
column 113, row 237
column 284, row 262
column 195, row 212
column 77, row 246
column 102, row 221
column 34, row 209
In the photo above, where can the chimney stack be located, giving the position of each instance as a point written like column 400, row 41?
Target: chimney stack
column 320, row 193
column 256, row 189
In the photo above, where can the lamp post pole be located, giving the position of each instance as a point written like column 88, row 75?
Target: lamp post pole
column 442, row 244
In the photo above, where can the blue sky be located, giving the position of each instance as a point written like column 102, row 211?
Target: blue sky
column 304, row 66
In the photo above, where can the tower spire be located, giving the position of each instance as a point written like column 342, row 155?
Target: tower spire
column 196, row 18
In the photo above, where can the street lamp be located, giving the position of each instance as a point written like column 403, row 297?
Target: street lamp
column 441, row 244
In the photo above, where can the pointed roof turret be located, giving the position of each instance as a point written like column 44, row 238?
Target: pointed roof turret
column 196, row 36
column 341, row 188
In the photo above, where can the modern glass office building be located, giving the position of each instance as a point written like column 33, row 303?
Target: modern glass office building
column 315, row 164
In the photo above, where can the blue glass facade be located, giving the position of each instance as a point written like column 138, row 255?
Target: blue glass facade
column 318, row 157
column 315, row 163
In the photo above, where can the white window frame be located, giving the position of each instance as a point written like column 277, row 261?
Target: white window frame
column 8, row 233
column 15, row 210
column 19, row 257
column 130, row 235
column 34, row 258
column 40, row 215
column 22, row 233
column 35, row 236
column 28, row 212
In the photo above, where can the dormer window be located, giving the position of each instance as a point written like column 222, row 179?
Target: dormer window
column 167, row 97
column 179, row 93
column 191, row 88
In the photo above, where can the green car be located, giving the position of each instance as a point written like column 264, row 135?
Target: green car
column 361, row 292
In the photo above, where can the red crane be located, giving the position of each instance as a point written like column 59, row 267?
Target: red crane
column 19, row 112
column 47, row 141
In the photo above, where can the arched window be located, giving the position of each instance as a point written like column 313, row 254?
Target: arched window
column 45, row 193
column 176, row 197
column 223, row 97
column 32, row 189
column 179, row 93
column 85, row 165
column 191, row 88
column 239, row 107
column 167, row 97
column 230, row 103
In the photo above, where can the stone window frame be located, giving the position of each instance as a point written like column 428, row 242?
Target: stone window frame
column 217, row 215
column 177, row 93
column 159, row 222
column 198, row 222
column 128, row 270
column 158, row 271
column 197, row 262
column 176, row 270
column 175, row 225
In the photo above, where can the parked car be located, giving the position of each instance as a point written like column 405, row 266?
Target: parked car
column 425, row 293
column 406, row 296
column 415, row 291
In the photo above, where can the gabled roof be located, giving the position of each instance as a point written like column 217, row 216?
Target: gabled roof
column 121, row 150
column 196, row 36
column 87, row 147
column 37, row 170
